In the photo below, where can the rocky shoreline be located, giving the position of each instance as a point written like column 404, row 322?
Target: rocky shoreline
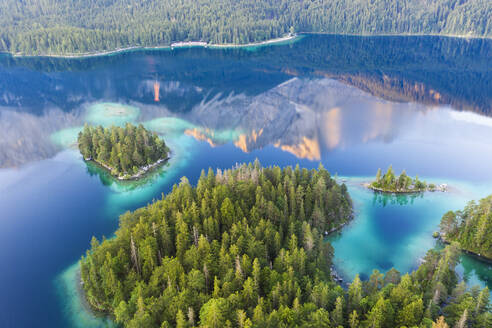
column 180, row 44
column 438, row 188
column 439, row 236
column 141, row 170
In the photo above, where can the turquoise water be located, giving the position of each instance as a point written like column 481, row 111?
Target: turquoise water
column 74, row 307
column 353, row 104
column 395, row 231
column 107, row 114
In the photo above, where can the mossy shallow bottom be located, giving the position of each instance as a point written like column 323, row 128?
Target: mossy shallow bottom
column 396, row 230
column 107, row 114
column 66, row 138
column 74, row 306
column 388, row 231
column 122, row 194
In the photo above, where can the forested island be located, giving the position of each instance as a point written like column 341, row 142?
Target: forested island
column 389, row 182
column 470, row 227
column 127, row 152
column 244, row 248
column 55, row 27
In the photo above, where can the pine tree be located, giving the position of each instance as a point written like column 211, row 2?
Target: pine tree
column 440, row 323
column 337, row 314
column 463, row 319
column 355, row 294
column 124, row 151
column 181, row 320
column 212, row 313
column 378, row 176
column 353, row 320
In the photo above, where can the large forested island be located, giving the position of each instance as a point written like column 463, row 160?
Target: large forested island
column 389, row 182
column 470, row 227
column 244, row 248
column 54, row 27
column 126, row 152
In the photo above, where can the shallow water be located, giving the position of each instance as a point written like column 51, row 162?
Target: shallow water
column 396, row 230
column 353, row 104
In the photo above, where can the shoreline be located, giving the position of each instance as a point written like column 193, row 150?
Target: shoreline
column 174, row 45
column 84, row 300
column 202, row 44
column 336, row 276
column 385, row 191
column 461, row 36
column 341, row 226
column 141, row 173
column 256, row 44
column 467, row 252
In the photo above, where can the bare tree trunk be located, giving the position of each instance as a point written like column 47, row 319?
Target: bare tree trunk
column 134, row 255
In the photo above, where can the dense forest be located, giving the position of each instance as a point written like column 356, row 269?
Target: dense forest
column 470, row 227
column 245, row 248
column 124, row 151
column 403, row 183
column 80, row 26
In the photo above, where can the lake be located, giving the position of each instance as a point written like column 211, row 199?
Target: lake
column 354, row 104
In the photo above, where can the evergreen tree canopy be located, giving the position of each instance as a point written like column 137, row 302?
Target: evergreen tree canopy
column 81, row 26
column 389, row 182
column 471, row 227
column 124, row 151
column 244, row 248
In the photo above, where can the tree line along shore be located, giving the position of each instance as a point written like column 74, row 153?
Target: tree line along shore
column 390, row 183
column 55, row 27
column 174, row 45
column 245, row 248
column 471, row 228
column 126, row 152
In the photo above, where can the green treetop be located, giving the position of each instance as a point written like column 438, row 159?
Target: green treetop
column 244, row 248
column 389, row 182
column 67, row 27
column 470, row 227
column 124, row 150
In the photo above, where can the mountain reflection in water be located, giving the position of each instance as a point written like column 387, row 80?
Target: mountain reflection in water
column 305, row 117
column 355, row 104
column 319, row 94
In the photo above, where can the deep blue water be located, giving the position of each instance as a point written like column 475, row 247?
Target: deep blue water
column 352, row 103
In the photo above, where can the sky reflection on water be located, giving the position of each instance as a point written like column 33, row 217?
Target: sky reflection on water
column 317, row 102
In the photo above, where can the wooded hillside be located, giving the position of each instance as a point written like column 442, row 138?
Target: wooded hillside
column 79, row 26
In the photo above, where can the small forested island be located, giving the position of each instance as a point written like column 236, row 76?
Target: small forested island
column 127, row 152
column 401, row 184
column 244, row 248
column 471, row 228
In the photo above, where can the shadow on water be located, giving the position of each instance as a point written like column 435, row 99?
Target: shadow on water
column 94, row 169
column 352, row 103
column 385, row 199
column 473, row 270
